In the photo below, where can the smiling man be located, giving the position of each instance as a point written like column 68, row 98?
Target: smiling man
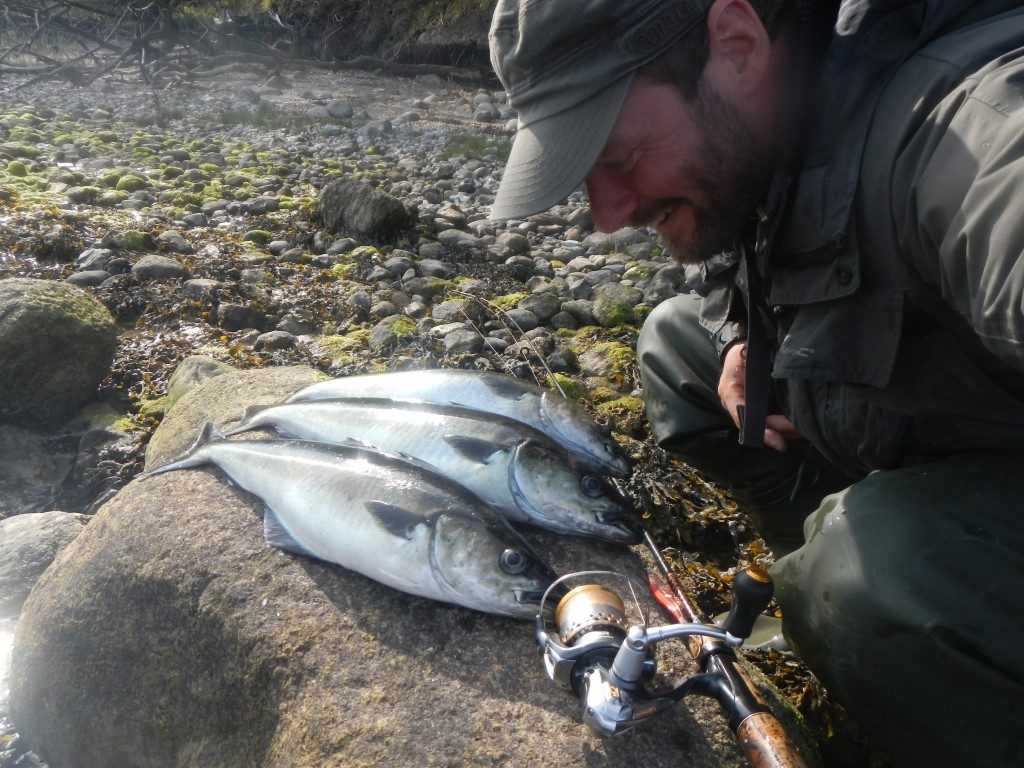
column 845, row 182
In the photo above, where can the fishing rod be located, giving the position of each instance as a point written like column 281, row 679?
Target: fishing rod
column 609, row 661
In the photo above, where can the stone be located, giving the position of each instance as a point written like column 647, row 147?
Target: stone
column 543, row 305
column 191, row 372
column 235, row 317
column 89, row 278
column 56, row 345
column 611, row 313
column 274, row 340
column 456, row 238
column 463, row 341
column 340, row 109
column 359, row 208
column 514, row 241
column 522, row 319
column 155, row 267
column 28, row 544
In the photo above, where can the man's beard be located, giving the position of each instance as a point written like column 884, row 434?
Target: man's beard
column 733, row 173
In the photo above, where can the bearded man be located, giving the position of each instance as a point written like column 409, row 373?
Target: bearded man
column 846, row 183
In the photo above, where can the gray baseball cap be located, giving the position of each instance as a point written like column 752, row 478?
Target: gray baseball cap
column 567, row 66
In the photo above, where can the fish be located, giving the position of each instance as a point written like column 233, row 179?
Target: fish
column 525, row 477
column 379, row 514
column 541, row 409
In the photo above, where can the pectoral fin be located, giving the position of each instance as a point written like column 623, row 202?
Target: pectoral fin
column 473, row 448
column 395, row 520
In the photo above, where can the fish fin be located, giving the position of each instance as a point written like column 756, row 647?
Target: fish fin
column 395, row 520
column 208, row 434
column 245, row 425
column 505, row 386
column 473, row 448
column 278, row 536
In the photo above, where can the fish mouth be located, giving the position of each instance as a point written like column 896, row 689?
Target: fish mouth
column 624, row 523
column 534, row 596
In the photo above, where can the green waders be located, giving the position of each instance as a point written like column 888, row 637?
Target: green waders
column 907, row 595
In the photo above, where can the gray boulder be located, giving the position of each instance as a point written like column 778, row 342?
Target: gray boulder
column 28, row 544
column 190, row 373
column 205, row 646
column 56, row 344
column 353, row 206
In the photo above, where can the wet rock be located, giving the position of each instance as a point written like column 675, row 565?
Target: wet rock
column 274, row 340
column 456, row 238
column 155, row 267
column 56, row 344
column 28, row 544
column 522, row 319
column 235, row 317
column 89, row 278
column 360, row 208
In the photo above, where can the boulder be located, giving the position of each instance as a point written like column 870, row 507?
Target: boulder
column 353, row 206
column 221, row 397
column 28, row 544
column 205, row 646
column 56, row 345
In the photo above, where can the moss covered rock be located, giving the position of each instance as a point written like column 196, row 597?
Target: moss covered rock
column 56, row 344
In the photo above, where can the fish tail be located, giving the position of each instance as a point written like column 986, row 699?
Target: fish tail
column 193, row 457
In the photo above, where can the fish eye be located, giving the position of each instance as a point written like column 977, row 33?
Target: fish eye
column 591, row 486
column 513, row 562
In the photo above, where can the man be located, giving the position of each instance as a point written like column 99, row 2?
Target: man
column 861, row 169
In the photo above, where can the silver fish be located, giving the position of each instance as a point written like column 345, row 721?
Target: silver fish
column 547, row 412
column 388, row 519
column 527, row 479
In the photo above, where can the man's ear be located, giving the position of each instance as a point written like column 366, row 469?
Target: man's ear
column 739, row 49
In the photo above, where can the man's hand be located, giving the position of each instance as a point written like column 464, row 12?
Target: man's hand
column 731, row 392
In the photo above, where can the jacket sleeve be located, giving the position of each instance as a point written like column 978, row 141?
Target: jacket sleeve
column 714, row 281
column 963, row 225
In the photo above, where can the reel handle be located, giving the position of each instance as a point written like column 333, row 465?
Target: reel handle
column 752, row 590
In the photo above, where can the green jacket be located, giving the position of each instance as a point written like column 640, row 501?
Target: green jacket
column 895, row 285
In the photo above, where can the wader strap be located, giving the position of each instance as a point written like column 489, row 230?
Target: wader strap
column 752, row 416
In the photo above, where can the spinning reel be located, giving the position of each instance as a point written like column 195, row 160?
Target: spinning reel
column 609, row 662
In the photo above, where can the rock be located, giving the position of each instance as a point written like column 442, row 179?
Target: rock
column 56, row 345
column 191, row 372
column 89, row 278
column 619, row 292
column 155, row 267
column 274, row 340
column 172, row 240
column 435, row 268
column 222, row 398
column 28, row 544
column 463, row 341
column 235, row 317
column 522, row 319
column 610, row 313
column 201, row 288
column 514, row 241
column 169, row 628
column 390, row 331
column 456, row 238
column 260, row 205
column 340, row 109
column 457, row 311
column 357, row 207
column 543, row 305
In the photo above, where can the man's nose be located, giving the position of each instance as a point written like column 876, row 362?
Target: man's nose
column 612, row 202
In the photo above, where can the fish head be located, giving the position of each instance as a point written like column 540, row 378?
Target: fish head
column 560, row 494
column 486, row 565
column 571, row 426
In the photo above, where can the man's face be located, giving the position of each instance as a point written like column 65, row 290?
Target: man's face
column 692, row 170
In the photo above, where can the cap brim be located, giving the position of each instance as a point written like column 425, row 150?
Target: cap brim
column 550, row 157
